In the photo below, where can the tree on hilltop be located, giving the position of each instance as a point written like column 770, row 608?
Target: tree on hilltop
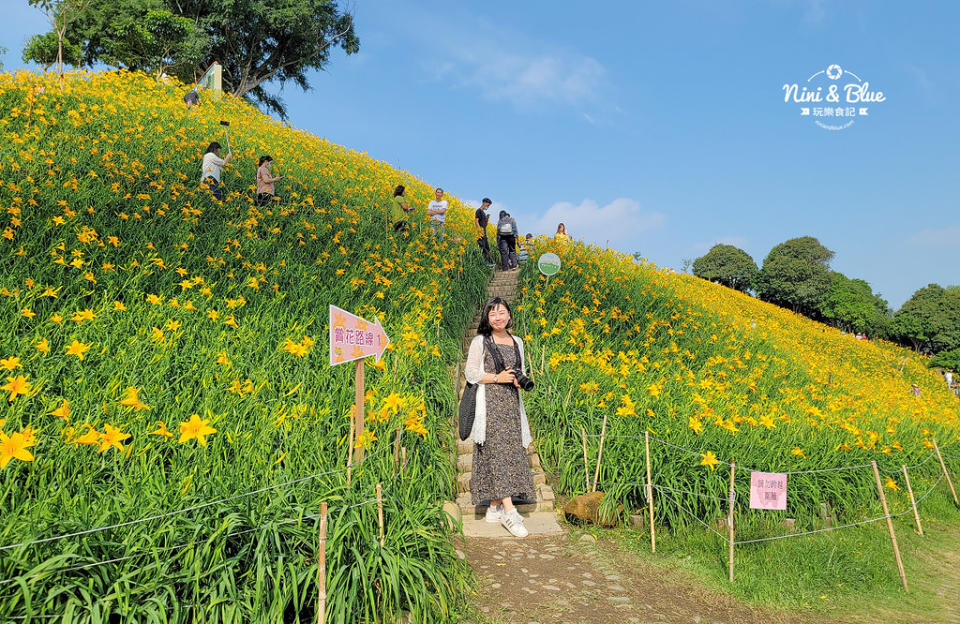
column 258, row 43
column 930, row 319
column 851, row 304
column 796, row 275
column 727, row 265
column 44, row 49
column 61, row 13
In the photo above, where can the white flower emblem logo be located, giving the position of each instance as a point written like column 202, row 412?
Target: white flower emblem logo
column 834, row 72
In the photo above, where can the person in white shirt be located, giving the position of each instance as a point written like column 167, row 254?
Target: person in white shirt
column 437, row 211
column 212, row 166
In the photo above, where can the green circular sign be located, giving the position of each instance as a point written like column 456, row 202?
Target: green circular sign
column 549, row 264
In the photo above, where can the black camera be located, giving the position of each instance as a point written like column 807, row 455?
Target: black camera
column 525, row 382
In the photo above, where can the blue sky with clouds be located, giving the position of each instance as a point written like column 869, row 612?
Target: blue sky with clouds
column 662, row 127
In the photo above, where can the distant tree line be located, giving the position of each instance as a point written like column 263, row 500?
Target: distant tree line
column 796, row 275
column 258, row 43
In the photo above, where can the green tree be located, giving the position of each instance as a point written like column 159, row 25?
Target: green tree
column 851, row 304
column 796, row 275
column 61, row 14
column 260, row 44
column 43, row 50
column 3, row 51
column 727, row 265
column 930, row 319
column 159, row 42
column 949, row 360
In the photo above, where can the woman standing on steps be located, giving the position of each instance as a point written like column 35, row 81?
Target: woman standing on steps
column 500, row 431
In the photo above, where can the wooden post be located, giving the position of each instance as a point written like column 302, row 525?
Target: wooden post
column 380, row 512
column 543, row 355
column 893, row 536
column 322, row 567
column 603, row 432
column 360, row 426
column 913, row 502
column 396, row 449
column 586, row 466
column 350, row 451
column 653, row 538
column 945, row 473
column 732, row 502
column 566, row 403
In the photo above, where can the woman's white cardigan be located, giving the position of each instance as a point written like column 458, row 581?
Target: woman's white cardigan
column 474, row 371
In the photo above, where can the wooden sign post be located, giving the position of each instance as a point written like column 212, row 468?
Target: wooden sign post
column 353, row 338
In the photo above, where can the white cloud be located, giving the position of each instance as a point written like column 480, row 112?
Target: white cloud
column 503, row 65
column 619, row 223
column 936, row 237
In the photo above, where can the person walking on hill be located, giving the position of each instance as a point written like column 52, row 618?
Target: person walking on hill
column 265, row 181
column 500, row 431
column 212, row 167
column 400, row 210
column 481, row 218
column 507, row 241
column 437, row 211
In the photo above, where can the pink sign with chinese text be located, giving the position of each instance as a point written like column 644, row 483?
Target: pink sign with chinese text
column 353, row 338
column 768, row 490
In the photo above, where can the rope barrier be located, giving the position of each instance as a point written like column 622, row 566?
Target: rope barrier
column 169, row 548
column 181, row 511
column 694, row 516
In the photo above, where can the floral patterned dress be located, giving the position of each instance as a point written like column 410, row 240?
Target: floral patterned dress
column 500, row 465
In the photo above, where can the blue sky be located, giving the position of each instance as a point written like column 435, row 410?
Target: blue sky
column 662, row 127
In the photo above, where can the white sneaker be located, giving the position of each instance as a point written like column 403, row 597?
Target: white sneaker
column 513, row 522
column 494, row 514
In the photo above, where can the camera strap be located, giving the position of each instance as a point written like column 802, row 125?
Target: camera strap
column 497, row 358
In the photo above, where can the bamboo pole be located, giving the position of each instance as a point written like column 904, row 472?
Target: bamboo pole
column 566, row 403
column 603, row 432
column 586, row 466
column 913, row 502
column 322, row 567
column 350, row 451
column 360, row 406
column 732, row 501
column 396, row 449
column 945, row 473
column 653, row 536
column 380, row 513
column 893, row 536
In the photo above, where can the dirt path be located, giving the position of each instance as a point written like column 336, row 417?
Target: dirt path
column 561, row 579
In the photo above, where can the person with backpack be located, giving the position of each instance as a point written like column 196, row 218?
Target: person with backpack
column 507, row 241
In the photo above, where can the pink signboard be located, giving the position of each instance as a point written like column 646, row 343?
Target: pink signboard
column 768, row 490
column 354, row 338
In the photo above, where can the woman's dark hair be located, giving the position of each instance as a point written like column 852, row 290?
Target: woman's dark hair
column 264, row 159
column 503, row 213
column 399, row 190
column 213, row 147
column 484, row 328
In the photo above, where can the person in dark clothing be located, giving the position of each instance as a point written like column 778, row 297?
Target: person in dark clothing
column 191, row 98
column 481, row 220
column 507, row 241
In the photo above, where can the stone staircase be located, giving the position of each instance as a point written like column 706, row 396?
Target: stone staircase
column 539, row 515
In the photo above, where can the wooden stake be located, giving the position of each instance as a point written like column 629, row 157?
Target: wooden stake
column 586, row 466
column 893, row 536
column 543, row 355
column 945, row 473
column 603, row 432
column 322, row 567
column 653, row 538
column 403, row 459
column 360, row 426
column 396, row 449
column 350, row 451
column 566, row 403
column 380, row 512
column 913, row 502
column 732, row 502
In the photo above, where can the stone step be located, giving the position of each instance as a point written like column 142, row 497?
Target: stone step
column 544, row 502
column 538, row 523
column 463, row 481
